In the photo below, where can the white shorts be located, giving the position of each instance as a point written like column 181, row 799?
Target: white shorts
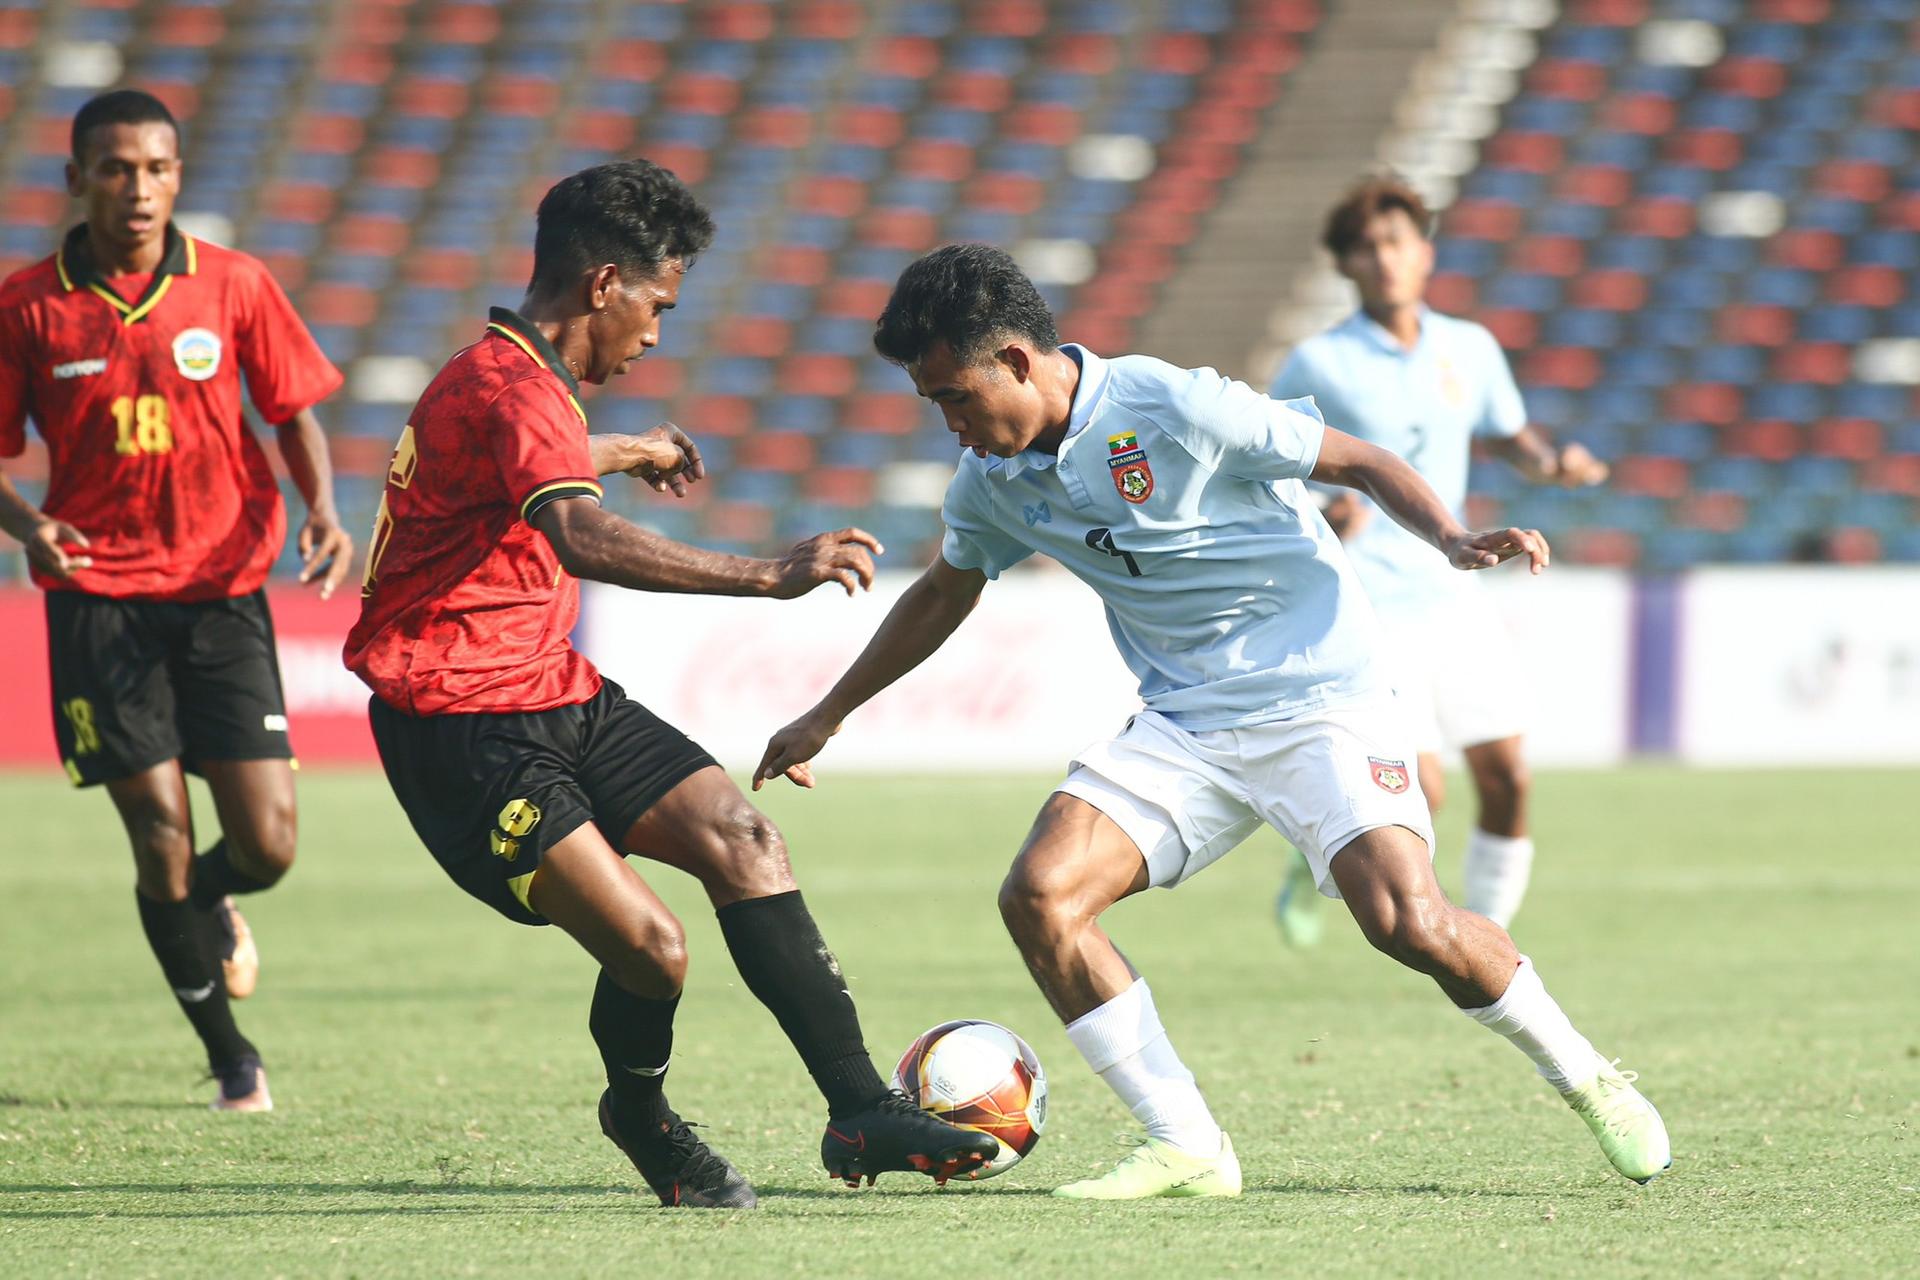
column 1186, row 799
column 1456, row 669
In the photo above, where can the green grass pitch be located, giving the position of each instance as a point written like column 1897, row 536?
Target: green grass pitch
column 1745, row 941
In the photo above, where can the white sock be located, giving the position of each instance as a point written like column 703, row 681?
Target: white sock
column 1528, row 1017
column 1127, row 1047
column 1497, row 871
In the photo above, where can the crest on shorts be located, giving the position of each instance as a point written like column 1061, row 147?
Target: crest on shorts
column 517, row 819
column 1389, row 775
column 196, row 354
column 1132, row 474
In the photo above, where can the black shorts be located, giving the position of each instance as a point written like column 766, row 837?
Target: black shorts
column 488, row 793
column 139, row 682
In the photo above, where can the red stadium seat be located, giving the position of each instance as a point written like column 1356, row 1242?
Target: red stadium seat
column 1748, row 77
column 1605, row 548
column 1643, row 113
column 1897, row 474
column 1757, row 326
column 841, row 486
column 1616, row 290
column 1861, row 180
column 366, row 233
column 789, row 452
column 888, row 413
column 1571, row 367
column 339, row 304
column 1717, row 511
column 702, row 95
column 523, row 96
column 18, row 28
column 329, row 135
column 1483, row 220
column 761, row 336
column 1514, row 329
column 736, row 521
column 1867, row 286
column 827, row 20
column 915, row 230
column 1052, row 123
column 187, row 26
column 787, row 128
column 1714, row 403
column 946, row 161
column 740, row 20
column 868, row 126
column 1826, row 363
column 299, row 203
column 1563, row 78
column 1716, row 149
column 657, row 377
column 816, row 375
column 836, row 197
column 1182, row 53
column 1527, row 152
column 1808, row 249
column 1548, row 256
column 716, row 415
column 1854, row 439
column 397, row 167
column 1019, row 19
column 1664, row 217
column 1452, row 291
column 794, row 264
column 1769, row 441
column 1082, row 53
column 913, row 57
column 443, row 268
column 973, row 91
column 1651, row 477
column 464, row 24
column 630, row 60
column 862, row 298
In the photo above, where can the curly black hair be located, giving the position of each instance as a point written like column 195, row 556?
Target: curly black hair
column 122, row 106
column 632, row 213
column 966, row 295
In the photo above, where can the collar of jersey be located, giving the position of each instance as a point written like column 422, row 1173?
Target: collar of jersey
column 1086, row 400
column 1372, row 331
column 516, row 329
column 73, row 263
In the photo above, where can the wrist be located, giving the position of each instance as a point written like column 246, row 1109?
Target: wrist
column 763, row 576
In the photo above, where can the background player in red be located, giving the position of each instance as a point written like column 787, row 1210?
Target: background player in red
column 527, row 775
column 160, row 523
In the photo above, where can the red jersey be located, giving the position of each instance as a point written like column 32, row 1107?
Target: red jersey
column 139, row 403
column 465, row 607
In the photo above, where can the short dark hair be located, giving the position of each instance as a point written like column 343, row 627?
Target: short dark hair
column 122, row 106
column 966, row 295
column 631, row 213
column 1347, row 221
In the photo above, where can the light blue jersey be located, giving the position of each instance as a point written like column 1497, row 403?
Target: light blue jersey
column 1177, row 497
column 1426, row 405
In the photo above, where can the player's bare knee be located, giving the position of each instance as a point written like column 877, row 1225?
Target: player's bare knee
column 1040, row 900
column 1422, row 933
column 162, row 854
column 265, row 849
column 653, row 962
column 748, row 856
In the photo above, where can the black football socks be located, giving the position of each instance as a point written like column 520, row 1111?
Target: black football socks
column 785, row 962
column 180, row 937
column 215, row 877
column 635, row 1037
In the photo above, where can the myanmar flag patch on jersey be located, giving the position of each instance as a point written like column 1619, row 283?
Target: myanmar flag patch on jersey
column 1132, row 475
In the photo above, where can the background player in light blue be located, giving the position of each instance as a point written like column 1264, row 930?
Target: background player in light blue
column 1425, row 386
column 1178, row 496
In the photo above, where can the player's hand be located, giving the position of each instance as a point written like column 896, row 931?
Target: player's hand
column 845, row 557
column 789, row 750
column 671, row 462
column 326, row 552
column 47, row 548
column 1577, row 468
column 1484, row 550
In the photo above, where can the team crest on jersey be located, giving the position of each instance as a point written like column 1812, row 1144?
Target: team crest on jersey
column 1132, row 474
column 196, row 354
column 1389, row 775
column 1452, row 389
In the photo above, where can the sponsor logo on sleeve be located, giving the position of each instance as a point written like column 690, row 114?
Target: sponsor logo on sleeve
column 79, row 369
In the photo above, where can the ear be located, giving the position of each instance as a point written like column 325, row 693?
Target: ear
column 1018, row 357
column 75, row 187
column 601, row 286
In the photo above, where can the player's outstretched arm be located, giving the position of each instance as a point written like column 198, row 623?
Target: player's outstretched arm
column 326, row 550
column 601, row 547
column 665, row 457
column 1399, row 490
column 45, row 539
column 918, row 624
column 1533, row 453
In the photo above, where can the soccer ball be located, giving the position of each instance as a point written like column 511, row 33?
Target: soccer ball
column 979, row 1075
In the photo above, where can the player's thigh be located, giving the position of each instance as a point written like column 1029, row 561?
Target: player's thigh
column 584, row 886
column 1327, row 778
column 488, row 794
column 1385, row 875
column 226, row 673
column 158, row 817
column 113, row 697
column 1176, row 795
column 1075, row 863
column 254, row 800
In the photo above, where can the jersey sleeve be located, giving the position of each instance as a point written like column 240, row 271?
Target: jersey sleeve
column 973, row 540
column 286, row 370
column 1504, row 413
column 540, row 446
column 13, row 387
column 1233, row 429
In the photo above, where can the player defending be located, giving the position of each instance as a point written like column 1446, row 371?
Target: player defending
column 1423, row 385
column 1177, row 495
column 160, row 523
column 526, row 774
